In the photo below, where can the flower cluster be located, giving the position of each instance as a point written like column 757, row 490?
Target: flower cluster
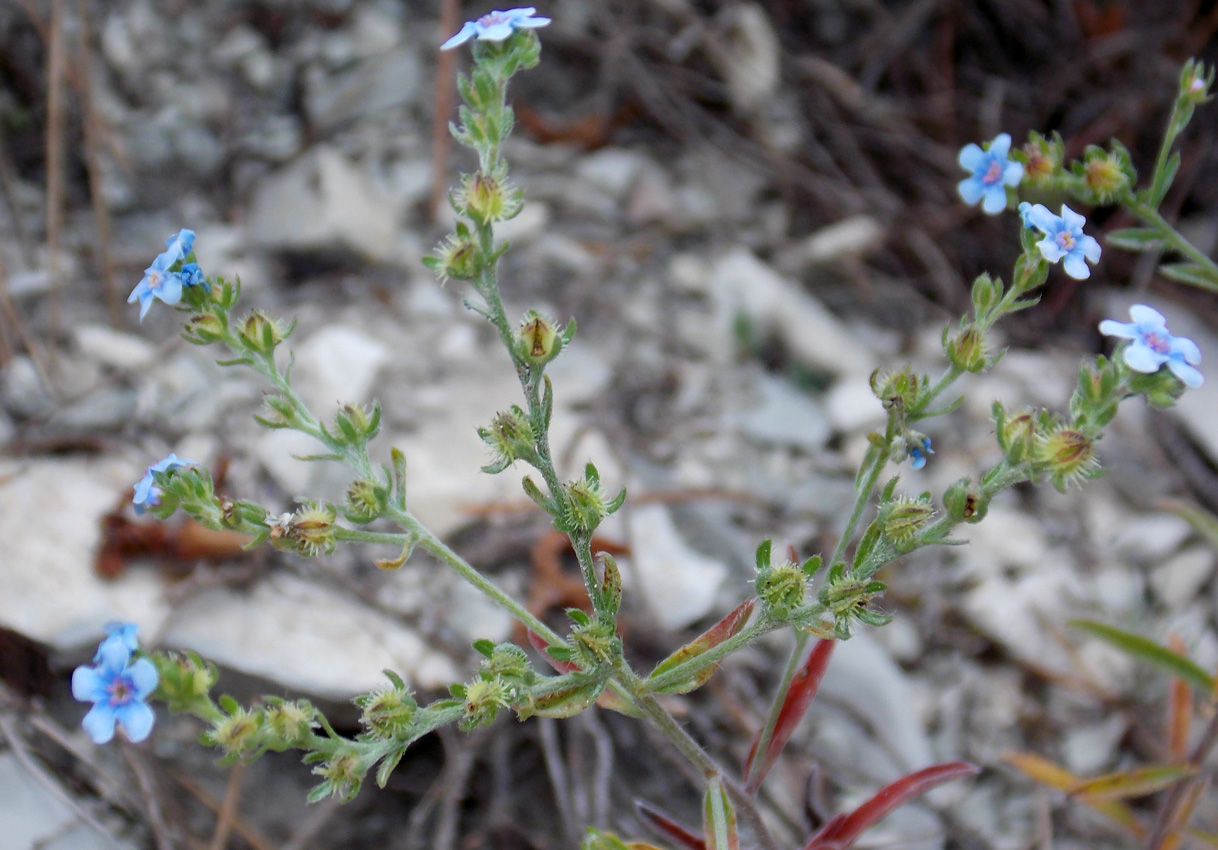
column 496, row 26
column 1151, row 345
column 1064, row 238
column 161, row 280
column 992, row 174
column 118, row 686
column 147, row 494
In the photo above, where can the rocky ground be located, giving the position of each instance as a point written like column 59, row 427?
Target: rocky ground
column 747, row 208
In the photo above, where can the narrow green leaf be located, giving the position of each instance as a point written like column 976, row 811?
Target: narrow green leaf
column 719, row 818
column 1191, row 274
column 1129, row 784
column 1147, row 650
column 1135, row 239
column 1202, row 521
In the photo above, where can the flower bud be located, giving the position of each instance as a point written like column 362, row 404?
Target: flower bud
column 364, row 500
column 457, row 257
column 1043, row 158
column 356, row 423
column 1195, row 81
column 965, row 502
column 896, row 389
column 260, row 332
column 343, row 773
column 1107, row 175
column 1019, row 436
column 781, row 588
column 986, row 294
column 205, row 328
column 584, row 505
column 537, row 341
column 387, row 713
column 312, row 530
column 238, row 734
column 289, row 723
column 487, row 198
column 904, row 518
column 483, row 700
column 967, row 349
column 1068, row 456
column 511, row 438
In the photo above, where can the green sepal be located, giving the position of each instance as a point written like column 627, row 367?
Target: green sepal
column 1190, row 273
column 399, row 476
column 484, row 647
column 764, row 551
column 388, row 764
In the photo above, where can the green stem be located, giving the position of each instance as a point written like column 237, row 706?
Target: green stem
column 1174, row 239
column 463, row 568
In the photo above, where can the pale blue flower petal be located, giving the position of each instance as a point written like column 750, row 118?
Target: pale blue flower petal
column 1142, row 358
column 995, row 199
column 1013, row 173
column 1001, row 146
column 1090, row 248
column 1147, row 317
column 137, row 719
column 88, row 685
column 143, row 676
column 1076, row 266
column 1043, row 220
column 971, row 157
column 1187, row 349
column 1188, row 375
column 463, row 35
column 1124, row 330
column 497, row 31
column 1050, row 250
column 1073, row 220
column 99, row 722
column 970, row 190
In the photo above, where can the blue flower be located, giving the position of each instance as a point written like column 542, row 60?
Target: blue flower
column 496, row 26
column 1064, row 237
column 1152, row 345
column 992, row 173
column 147, row 494
column 162, row 284
column 179, row 246
column 918, row 451
column 117, row 687
column 121, row 633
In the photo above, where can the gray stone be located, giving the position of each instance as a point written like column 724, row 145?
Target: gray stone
column 677, row 584
column 741, row 283
column 323, row 202
column 384, row 82
column 1178, row 580
column 36, row 817
column 337, row 365
column 612, row 170
column 747, row 55
column 782, row 413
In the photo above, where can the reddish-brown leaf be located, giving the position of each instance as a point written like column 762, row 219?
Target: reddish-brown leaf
column 794, row 706
column 712, row 637
column 842, row 831
column 683, row 835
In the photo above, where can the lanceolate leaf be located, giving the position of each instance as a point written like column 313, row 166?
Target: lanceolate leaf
column 1132, row 783
column 1190, row 273
column 662, row 823
column 712, row 637
column 843, row 830
column 1135, row 239
column 795, row 705
column 1047, row 773
column 1149, row 651
column 719, row 818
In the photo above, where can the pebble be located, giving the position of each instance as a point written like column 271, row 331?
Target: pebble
column 677, row 584
column 1179, row 580
column 35, row 816
column 336, row 365
column 780, row 412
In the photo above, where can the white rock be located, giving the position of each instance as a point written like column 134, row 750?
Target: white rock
column 781, row 414
column 741, row 283
column 338, row 365
column 35, row 817
column 864, row 677
column 1149, row 539
column 113, row 348
column 677, row 583
column 1013, row 611
column 1007, row 538
column 50, row 520
column 854, row 236
column 322, row 202
column 1179, row 580
column 852, row 406
column 304, row 636
column 613, row 170
column 1090, row 748
column 384, row 82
